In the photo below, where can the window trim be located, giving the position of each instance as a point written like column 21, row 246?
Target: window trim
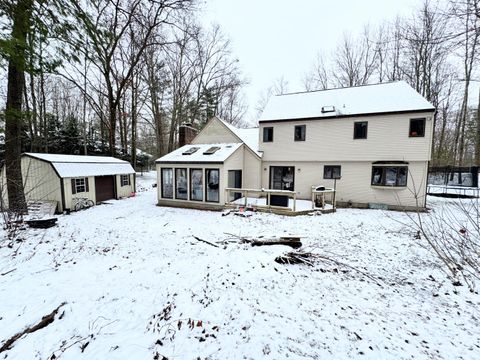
column 84, row 185
column 410, row 127
column 190, row 184
column 384, row 167
column 267, row 128
column 354, row 128
column 332, row 166
column 124, row 177
column 161, row 183
column 175, row 184
column 295, row 132
column 206, row 186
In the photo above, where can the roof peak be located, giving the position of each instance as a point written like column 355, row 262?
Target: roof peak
column 341, row 88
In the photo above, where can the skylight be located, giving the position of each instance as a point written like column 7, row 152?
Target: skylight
column 211, row 151
column 327, row 109
column 191, row 150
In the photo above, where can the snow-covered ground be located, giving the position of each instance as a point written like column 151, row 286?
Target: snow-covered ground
column 137, row 285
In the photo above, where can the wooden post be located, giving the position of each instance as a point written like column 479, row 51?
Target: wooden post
column 246, row 198
column 313, row 199
column 268, row 199
column 294, row 201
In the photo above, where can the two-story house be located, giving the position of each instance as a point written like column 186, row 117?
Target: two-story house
column 374, row 142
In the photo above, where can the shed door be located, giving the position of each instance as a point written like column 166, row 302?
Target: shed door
column 104, row 188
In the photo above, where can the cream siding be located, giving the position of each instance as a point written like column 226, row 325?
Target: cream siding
column 215, row 133
column 354, row 185
column 127, row 190
column 40, row 182
column 252, row 165
column 332, row 140
column 69, row 197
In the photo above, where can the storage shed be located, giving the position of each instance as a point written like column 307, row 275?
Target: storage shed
column 66, row 178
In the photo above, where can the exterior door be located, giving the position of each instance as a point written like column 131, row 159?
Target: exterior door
column 235, row 181
column 282, row 177
column 104, row 188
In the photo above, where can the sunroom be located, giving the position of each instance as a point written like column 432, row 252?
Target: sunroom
column 197, row 175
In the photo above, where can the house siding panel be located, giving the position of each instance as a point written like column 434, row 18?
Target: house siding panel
column 215, row 133
column 332, row 140
column 355, row 183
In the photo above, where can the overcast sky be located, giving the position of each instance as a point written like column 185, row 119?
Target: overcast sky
column 275, row 38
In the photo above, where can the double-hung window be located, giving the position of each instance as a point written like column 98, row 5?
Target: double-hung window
column 268, row 134
column 125, row 180
column 299, row 132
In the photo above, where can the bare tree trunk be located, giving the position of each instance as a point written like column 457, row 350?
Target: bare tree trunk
column 13, row 111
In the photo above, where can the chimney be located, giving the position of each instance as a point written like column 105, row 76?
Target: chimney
column 186, row 133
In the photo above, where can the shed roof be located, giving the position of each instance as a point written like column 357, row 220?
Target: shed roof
column 68, row 166
column 381, row 98
column 199, row 156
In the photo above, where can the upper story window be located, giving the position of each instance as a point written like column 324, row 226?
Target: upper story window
column 267, row 134
column 417, row 127
column 332, row 171
column 360, row 129
column 299, row 132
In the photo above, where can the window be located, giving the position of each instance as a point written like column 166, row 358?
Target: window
column 181, row 190
column 417, row 127
column 282, row 177
column 389, row 175
column 124, row 180
column 300, row 132
column 267, row 134
column 196, row 184
column 211, row 150
column 167, row 183
column 212, row 177
column 79, row 185
column 332, row 171
column 360, row 130
column 191, row 150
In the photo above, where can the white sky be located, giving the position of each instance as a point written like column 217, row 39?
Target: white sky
column 275, row 38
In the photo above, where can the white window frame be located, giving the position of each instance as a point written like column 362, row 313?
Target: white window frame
column 80, row 183
column 124, row 180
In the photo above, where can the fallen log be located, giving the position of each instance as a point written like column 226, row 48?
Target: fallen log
column 46, row 320
column 205, row 241
column 294, row 243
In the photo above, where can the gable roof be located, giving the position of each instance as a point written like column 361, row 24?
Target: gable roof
column 249, row 136
column 219, row 156
column 68, row 166
column 377, row 99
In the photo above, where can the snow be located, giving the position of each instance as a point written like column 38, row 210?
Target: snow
column 300, row 205
column 119, row 266
column 69, row 166
column 367, row 99
column 249, row 136
column 222, row 154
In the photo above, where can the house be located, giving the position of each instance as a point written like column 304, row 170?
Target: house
column 65, row 178
column 371, row 143
column 220, row 156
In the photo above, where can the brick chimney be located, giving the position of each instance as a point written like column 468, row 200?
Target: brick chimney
column 186, row 133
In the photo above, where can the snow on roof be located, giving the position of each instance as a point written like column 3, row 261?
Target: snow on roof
column 83, row 165
column 368, row 99
column 179, row 156
column 249, row 136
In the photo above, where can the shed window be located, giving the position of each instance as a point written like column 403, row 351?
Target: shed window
column 212, row 178
column 125, row 180
column 332, row 171
column 417, row 127
column 167, row 183
column 267, row 134
column 389, row 175
column 196, row 184
column 181, row 184
column 360, row 129
column 300, row 131
column 79, row 185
